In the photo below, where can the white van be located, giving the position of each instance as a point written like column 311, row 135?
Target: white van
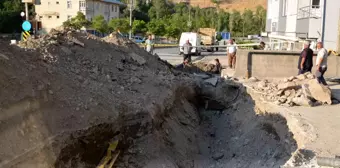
column 194, row 39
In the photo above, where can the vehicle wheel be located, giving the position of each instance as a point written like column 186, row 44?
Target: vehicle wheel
column 216, row 48
column 196, row 53
column 199, row 53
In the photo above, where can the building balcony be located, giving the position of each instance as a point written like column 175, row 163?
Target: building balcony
column 312, row 11
column 85, row 9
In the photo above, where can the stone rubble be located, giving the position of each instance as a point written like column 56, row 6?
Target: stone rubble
column 301, row 90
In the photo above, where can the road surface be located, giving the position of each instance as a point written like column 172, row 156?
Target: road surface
column 172, row 55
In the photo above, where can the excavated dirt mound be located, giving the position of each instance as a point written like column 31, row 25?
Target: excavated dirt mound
column 61, row 87
column 67, row 96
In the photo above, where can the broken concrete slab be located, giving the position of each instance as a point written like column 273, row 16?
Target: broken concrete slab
column 288, row 85
column 320, row 92
column 212, row 81
column 140, row 60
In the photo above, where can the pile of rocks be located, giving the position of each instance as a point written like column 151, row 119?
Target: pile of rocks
column 303, row 90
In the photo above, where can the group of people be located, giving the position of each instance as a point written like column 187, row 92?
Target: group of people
column 305, row 63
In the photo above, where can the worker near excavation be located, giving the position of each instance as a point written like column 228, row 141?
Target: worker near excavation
column 321, row 63
column 187, row 47
column 149, row 45
column 231, row 53
column 217, row 68
column 305, row 63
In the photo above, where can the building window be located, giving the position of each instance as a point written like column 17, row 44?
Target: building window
column 57, row 2
column 315, row 3
column 69, row 17
column 82, row 4
column 112, row 8
column 97, row 6
column 57, row 17
column 115, row 8
column 284, row 7
column 49, row 17
column 40, row 17
column 69, row 4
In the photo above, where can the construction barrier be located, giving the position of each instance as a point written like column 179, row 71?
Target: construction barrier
column 25, row 35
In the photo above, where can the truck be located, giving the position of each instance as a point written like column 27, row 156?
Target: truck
column 194, row 39
column 208, row 38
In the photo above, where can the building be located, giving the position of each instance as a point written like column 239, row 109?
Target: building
column 297, row 20
column 52, row 13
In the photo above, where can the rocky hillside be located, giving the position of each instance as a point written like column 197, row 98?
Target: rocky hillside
column 239, row 5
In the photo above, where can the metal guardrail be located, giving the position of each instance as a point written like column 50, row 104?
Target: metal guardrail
column 237, row 45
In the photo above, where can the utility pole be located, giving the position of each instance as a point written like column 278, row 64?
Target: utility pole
column 26, row 10
column 131, row 9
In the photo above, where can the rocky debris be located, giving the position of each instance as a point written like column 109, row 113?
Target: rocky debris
column 302, row 101
column 140, row 60
column 302, row 90
column 253, row 79
column 287, row 85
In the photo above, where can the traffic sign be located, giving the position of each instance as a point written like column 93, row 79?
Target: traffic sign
column 26, row 25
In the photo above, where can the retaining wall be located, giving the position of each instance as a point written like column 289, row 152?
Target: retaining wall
column 276, row 64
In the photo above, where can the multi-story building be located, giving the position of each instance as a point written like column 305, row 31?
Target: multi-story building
column 296, row 20
column 52, row 13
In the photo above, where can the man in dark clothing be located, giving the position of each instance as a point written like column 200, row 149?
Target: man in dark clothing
column 305, row 63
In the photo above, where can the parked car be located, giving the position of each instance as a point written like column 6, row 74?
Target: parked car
column 138, row 39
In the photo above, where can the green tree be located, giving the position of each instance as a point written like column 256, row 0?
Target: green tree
column 248, row 26
column 139, row 26
column 100, row 24
column 260, row 16
column 121, row 24
column 77, row 22
column 157, row 27
column 159, row 9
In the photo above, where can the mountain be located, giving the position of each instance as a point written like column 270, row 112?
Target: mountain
column 229, row 5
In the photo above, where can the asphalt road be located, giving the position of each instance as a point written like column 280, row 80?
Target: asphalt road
column 172, row 55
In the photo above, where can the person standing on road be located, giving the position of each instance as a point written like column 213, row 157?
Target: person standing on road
column 321, row 63
column 231, row 53
column 187, row 47
column 149, row 44
column 305, row 63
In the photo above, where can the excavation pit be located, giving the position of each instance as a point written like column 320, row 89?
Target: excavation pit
column 185, row 133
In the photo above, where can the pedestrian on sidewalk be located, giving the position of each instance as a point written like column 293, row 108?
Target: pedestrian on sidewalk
column 305, row 63
column 187, row 47
column 231, row 53
column 149, row 45
column 321, row 63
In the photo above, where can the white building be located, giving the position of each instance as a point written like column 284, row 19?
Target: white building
column 296, row 20
column 52, row 13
